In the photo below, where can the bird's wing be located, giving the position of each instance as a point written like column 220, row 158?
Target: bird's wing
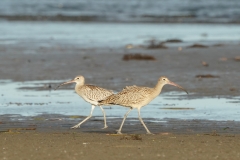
column 95, row 93
column 129, row 96
column 129, row 87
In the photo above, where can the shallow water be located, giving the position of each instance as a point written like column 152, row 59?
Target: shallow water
column 129, row 10
column 175, row 105
column 110, row 35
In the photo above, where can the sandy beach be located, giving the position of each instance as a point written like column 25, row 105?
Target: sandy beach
column 72, row 145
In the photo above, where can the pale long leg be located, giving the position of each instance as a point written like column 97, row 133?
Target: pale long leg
column 139, row 116
column 104, row 116
column 78, row 125
column 125, row 116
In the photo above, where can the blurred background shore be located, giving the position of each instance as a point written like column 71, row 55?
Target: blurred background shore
column 184, row 11
column 104, row 23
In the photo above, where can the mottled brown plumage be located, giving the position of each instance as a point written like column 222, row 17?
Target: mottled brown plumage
column 130, row 96
column 137, row 97
column 91, row 94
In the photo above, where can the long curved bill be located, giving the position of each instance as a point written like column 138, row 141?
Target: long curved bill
column 71, row 81
column 176, row 85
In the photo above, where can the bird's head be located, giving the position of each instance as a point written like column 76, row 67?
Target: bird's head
column 78, row 80
column 164, row 80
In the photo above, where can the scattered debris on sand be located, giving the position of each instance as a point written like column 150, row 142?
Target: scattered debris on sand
column 206, row 76
column 214, row 133
column 204, row 63
column 131, row 137
column 174, row 41
column 237, row 58
column 156, row 45
column 131, row 46
column 138, row 56
column 179, row 48
column 233, row 89
column 197, row 46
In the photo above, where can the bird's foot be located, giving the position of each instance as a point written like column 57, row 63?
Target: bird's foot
column 76, row 126
column 105, row 127
column 150, row 133
column 119, row 132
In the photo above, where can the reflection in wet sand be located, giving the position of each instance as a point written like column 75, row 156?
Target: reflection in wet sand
column 176, row 105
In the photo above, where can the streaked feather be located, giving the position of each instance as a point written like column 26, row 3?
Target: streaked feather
column 93, row 93
column 129, row 96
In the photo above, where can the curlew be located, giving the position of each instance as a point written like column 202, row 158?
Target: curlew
column 91, row 94
column 137, row 97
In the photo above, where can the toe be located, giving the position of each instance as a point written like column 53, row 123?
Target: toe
column 150, row 133
column 74, row 127
column 105, row 127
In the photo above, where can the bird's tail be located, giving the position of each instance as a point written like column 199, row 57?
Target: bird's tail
column 107, row 101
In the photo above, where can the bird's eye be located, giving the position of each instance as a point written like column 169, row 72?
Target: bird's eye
column 164, row 79
column 77, row 78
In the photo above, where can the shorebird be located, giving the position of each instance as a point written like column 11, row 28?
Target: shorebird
column 91, row 94
column 137, row 97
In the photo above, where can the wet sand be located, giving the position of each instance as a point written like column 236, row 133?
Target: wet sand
column 105, row 67
column 50, row 137
column 72, row 145
column 178, row 139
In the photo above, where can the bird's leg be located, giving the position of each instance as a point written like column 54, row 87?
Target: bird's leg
column 125, row 116
column 78, row 125
column 104, row 116
column 139, row 116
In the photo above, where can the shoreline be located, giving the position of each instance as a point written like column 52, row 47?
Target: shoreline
column 48, row 123
column 102, row 19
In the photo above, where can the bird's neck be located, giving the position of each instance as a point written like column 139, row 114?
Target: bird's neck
column 158, row 88
column 79, row 85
